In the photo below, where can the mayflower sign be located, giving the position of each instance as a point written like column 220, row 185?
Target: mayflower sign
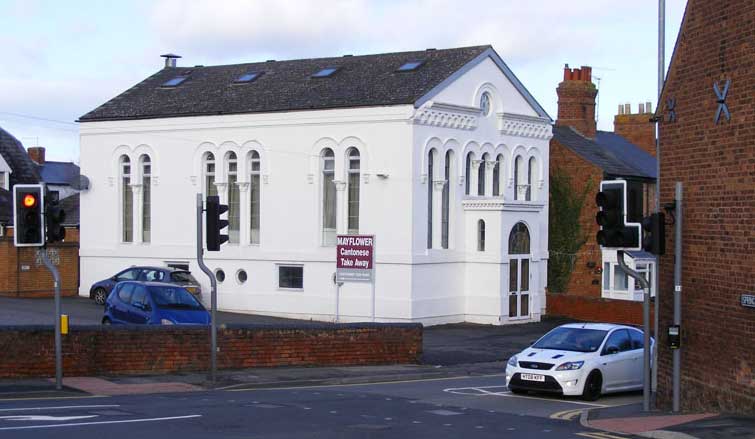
column 354, row 258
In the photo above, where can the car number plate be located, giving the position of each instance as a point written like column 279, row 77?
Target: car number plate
column 533, row 377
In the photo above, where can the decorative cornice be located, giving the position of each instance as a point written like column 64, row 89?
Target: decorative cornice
column 501, row 204
column 447, row 115
column 524, row 126
column 243, row 186
column 340, row 185
column 438, row 185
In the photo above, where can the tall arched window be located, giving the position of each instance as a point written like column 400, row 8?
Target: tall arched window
column 531, row 177
column 354, row 166
column 328, row 166
column 234, row 214
column 127, row 200
column 520, row 187
column 497, row 175
column 480, row 236
column 481, row 175
column 430, row 177
column 208, row 167
column 254, row 197
column 146, row 165
column 446, row 202
column 468, row 173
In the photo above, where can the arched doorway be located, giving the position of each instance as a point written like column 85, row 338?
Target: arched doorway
column 519, row 271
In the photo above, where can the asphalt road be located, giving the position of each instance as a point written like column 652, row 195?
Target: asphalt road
column 476, row 407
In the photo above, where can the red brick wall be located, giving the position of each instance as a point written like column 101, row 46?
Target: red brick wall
column 637, row 129
column 595, row 309
column 91, row 351
column 576, row 101
column 716, row 164
column 23, row 275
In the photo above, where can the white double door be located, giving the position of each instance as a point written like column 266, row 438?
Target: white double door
column 519, row 287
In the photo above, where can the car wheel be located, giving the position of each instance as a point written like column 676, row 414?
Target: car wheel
column 100, row 296
column 593, row 386
column 106, row 321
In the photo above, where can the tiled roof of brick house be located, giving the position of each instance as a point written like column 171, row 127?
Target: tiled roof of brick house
column 24, row 169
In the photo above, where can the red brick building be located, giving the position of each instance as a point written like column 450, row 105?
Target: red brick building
column 22, row 273
column 708, row 143
column 594, row 287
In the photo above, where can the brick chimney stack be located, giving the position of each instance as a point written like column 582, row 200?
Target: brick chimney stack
column 576, row 101
column 37, row 154
column 637, row 127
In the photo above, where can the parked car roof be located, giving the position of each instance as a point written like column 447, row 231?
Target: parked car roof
column 598, row 326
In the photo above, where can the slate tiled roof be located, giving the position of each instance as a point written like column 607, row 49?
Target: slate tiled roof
column 59, row 173
column 611, row 152
column 24, row 169
column 369, row 80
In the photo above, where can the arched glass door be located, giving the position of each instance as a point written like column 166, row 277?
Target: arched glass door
column 519, row 271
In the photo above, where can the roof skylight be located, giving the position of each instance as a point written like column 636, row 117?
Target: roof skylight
column 409, row 66
column 175, row 81
column 248, row 77
column 326, row 72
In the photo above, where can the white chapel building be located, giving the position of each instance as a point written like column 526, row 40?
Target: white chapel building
column 441, row 154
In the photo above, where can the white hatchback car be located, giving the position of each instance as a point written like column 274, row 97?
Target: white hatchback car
column 580, row 359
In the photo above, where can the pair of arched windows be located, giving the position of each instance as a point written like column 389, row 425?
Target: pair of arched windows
column 523, row 178
column 445, row 197
column 329, row 194
column 128, row 181
column 233, row 195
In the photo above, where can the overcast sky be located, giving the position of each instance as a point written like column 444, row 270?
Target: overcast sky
column 61, row 59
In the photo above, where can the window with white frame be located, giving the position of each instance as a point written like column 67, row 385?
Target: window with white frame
column 497, row 175
column 291, row 277
column 353, row 192
column 531, row 178
column 127, row 200
column 234, row 204
column 146, row 166
column 208, row 168
column 446, row 200
column 618, row 285
column 254, row 198
column 485, row 104
column 480, row 236
column 328, row 166
column 430, row 176
column 468, row 172
column 520, row 179
column 481, row 175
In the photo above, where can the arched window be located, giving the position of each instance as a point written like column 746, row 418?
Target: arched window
column 520, row 188
column 127, row 200
column 497, row 175
column 481, row 175
column 328, row 166
column 354, row 165
column 485, row 104
column 254, row 197
column 146, row 165
column 234, row 215
column 430, row 177
column 531, row 177
column 519, row 240
column 480, row 236
column 208, row 167
column 446, row 202
column 468, row 173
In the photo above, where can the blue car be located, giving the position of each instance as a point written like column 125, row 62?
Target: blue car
column 99, row 291
column 153, row 303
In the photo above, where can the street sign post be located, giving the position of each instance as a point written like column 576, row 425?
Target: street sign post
column 355, row 262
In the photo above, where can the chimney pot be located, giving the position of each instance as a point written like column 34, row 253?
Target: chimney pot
column 627, row 109
column 37, row 154
column 621, row 109
column 642, row 108
column 587, row 73
column 648, row 107
column 170, row 59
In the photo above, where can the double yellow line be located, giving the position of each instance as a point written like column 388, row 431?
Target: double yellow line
column 600, row 435
column 567, row 415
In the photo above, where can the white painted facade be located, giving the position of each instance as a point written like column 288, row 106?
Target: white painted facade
column 413, row 283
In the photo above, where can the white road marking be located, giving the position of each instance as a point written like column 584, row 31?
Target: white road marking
column 65, row 407
column 324, row 386
column 45, row 418
column 482, row 391
column 80, row 424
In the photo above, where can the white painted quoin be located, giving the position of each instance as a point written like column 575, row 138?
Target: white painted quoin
column 488, row 265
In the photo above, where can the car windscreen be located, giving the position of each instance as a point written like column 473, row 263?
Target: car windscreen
column 183, row 277
column 173, row 297
column 572, row 339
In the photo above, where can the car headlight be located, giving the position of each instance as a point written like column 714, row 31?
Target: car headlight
column 166, row 322
column 512, row 361
column 571, row 365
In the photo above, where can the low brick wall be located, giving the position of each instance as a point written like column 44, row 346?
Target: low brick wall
column 28, row 351
column 591, row 309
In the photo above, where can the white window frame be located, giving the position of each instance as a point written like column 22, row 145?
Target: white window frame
column 353, row 179
column 255, row 180
column 232, row 178
column 208, row 158
column 633, row 291
column 146, row 197
column 125, row 191
column 277, row 277
column 328, row 237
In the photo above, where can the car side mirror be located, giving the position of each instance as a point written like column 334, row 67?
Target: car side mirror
column 114, row 278
column 610, row 350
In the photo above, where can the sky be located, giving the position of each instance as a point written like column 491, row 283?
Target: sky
column 61, row 59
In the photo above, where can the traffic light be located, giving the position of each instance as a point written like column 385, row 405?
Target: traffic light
column 54, row 218
column 615, row 231
column 654, row 233
column 28, row 217
column 214, row 224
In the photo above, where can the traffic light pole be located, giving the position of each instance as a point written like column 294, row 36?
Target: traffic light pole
column 645, row 329
column 213, row 292
column 58, row 340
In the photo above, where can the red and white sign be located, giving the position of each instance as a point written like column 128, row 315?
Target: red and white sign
column 355, row 258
